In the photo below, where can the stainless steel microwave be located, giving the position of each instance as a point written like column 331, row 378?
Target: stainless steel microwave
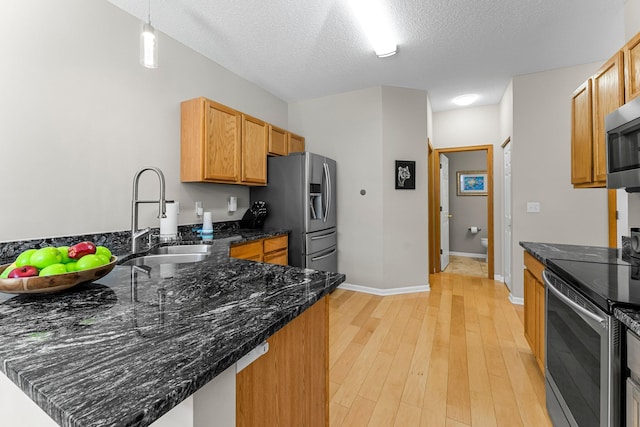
column 623, row 147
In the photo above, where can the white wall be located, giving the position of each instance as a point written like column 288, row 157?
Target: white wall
column 405, row 212
column 382, row 236
column 348, row 128
column 541, row 168
column 631, row 18
column 476, row 126
column 80, row 116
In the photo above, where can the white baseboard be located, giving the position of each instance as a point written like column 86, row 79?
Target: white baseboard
column 385, row 292
column 516, row 300
column 498, row 277
column 468, row 254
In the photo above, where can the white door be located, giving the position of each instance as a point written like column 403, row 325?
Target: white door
column 507, row 216
column 444, row 212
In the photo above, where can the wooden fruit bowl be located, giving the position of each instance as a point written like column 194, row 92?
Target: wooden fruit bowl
column 56, row 283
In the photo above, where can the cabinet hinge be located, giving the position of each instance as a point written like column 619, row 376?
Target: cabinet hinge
column 617, row 215
column 440, row 165
column 440, row 208
column 440, row 251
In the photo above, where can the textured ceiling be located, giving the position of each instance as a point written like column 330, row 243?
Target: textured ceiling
column 301, row 49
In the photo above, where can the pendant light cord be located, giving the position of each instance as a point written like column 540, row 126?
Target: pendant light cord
column 149, row 13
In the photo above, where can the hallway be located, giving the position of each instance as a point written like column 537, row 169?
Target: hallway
column 455, row 356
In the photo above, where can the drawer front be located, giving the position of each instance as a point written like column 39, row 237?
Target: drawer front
column 534, row 266
column 321, row 241
column 247, row 250
column 280, row 257
column 276, row 244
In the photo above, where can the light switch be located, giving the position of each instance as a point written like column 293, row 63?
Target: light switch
column 533, row 207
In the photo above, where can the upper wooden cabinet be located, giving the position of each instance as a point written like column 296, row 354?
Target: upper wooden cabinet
column 210, row 138
column 219, row 144
column 277, row 141
column 632, row 68
column 581, row 135
column 255, row 137
column 608, row 95
column 295, row 143
column 591, row 102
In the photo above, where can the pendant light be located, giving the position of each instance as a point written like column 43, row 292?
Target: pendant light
column 148, row 43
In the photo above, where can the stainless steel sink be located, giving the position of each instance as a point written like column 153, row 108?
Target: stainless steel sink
column 182, row 249
column 157, row 259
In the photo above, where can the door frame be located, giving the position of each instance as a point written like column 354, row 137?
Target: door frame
column 434, row 204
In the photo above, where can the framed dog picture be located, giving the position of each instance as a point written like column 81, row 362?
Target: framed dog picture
column 405, row 175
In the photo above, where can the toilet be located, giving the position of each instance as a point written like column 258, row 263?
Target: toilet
column 484, row 241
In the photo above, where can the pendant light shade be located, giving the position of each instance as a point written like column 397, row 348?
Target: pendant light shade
column 148, row 46
column 148, row 43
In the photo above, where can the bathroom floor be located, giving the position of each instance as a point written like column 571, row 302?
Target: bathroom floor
column 467, row 266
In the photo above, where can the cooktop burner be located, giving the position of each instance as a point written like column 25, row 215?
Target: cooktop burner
column 607, row 285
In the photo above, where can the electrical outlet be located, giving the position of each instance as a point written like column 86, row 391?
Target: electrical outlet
column 533, row 207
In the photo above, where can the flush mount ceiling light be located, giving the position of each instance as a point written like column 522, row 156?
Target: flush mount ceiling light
column 376, row 26
column 464, row 100
column 148, row 43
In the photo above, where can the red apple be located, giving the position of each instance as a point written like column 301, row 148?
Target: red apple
column 81, row 249
column 24, row 271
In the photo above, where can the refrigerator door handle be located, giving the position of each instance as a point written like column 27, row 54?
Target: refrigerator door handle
column 327, row 175
column 324, row 256
column 324, row 236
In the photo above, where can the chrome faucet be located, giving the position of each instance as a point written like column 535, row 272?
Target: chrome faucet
column 135, row 233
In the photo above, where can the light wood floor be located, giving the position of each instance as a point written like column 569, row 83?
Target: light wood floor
column 452, row 357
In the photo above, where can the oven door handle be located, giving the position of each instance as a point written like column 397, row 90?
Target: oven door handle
column 581, row 310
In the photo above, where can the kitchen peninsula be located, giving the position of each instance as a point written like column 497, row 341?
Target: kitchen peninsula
column 127, row 348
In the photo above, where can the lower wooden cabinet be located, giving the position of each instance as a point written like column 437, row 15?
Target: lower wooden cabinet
column 272, row 250
column 534, row 306
column 289, row 385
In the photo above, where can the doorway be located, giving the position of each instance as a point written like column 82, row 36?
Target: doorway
column 435, row 203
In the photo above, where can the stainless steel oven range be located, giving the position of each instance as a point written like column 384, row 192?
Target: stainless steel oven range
column 582, row 358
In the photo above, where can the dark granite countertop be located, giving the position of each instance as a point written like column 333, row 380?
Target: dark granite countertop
column 125, row 349
column 553, row 256
column 630, row 317
column 547, row 251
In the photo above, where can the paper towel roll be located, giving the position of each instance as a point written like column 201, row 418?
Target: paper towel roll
column 474, row 230
column 169, row 225
column 207, row 225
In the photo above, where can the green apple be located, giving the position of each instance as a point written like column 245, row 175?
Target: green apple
column 24, row 257
column 103, row 258
column 64, row 253
column 89, row 261
column 71, row 266
column 53, row 269
column 45, row 257
column 6, row 271
column 102, row 250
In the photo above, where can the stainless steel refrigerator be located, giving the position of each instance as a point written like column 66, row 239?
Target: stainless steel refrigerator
column 301, row 196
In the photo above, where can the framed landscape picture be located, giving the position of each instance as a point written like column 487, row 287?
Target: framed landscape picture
column 472, row 183
column 405, row 175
